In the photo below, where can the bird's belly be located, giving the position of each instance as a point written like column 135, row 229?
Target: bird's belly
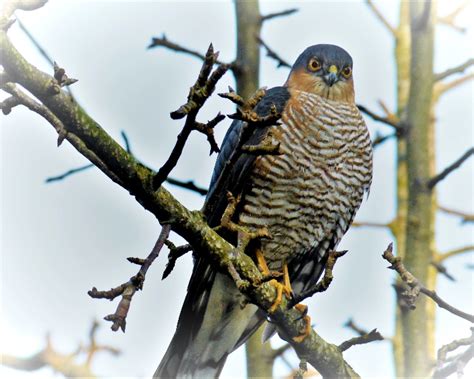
column 307, row 196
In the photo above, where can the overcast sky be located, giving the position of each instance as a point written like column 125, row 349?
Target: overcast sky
column 58, row 240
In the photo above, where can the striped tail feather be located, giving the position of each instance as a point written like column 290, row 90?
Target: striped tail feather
column 212, row 324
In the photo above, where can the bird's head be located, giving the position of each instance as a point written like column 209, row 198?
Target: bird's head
column 325, row 70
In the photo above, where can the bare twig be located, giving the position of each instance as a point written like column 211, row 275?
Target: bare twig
column 326, row 280
column 190, row 185
column 442, row 87
column 448, row 170
column 80, row 169
column 175, row 253
column 442, row 270
column 278, row 14
column 446, row 366
column 455, row 70
column 350, row 324
column 367, row 224
column 451, row 253
column 381, row 17
column 450, row 19
column 198, row 94
column 415, row 287
column 465, row 217
column 128, row 289
column 390, row 121
column 380, row 139
column 373, row 335
column 273, row 55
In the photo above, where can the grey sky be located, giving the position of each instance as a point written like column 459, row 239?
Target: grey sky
column 59, row 240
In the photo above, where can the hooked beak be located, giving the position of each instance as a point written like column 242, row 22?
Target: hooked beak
column 331, row 77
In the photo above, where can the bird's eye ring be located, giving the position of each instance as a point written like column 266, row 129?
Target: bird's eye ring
column 347, row 72
column 314, row 65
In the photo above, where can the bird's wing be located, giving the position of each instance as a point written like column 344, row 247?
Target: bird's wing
column 211, row 323
column 238, row 175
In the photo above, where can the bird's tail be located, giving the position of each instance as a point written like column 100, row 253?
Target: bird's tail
column 212, row 324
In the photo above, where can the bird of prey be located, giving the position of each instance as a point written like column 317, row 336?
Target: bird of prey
column 306, row 197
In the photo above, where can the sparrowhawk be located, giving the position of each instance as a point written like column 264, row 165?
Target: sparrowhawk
column 306, row 197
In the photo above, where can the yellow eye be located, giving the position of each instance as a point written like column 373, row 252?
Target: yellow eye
column 314, row 65
column 347, row 72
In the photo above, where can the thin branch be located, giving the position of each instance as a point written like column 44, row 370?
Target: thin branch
column 465, row 217
column 326, row 280
column 165, row 42
column 350, row 324
column 451, row 253
column 273, row 55
column 441, row 87
column 35, row 42
column 360, row 224
column 396, row 124
column 415, row 287
column 380, row 139
column 448, row 170
column 373, row 335
column 454, row 70
column 450, row 19
column 445, row 365
column 129, row 288
column 381, row 17
column 198, row 94
column 190, row 185
column 441, row 269
column 278, row 14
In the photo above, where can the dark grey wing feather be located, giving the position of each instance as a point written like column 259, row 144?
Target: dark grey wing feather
column 197, row 299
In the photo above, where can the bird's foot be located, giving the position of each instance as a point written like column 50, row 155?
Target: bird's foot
column 281, row 288
column 244, row 235
column 307, row 329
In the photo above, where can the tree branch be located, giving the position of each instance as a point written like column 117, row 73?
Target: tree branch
column 446, row 366
column 381, row 17
column 373, row 335
column 451, row 253
column 390, row 121
column 465, row 217
column 415, row 287
column 273, row 55
column 448, row 170
column 129, row 288
column 450, row 19
column 271, row 16
column 454, row 70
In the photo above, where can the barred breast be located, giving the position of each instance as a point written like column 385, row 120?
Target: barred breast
column 307, row 197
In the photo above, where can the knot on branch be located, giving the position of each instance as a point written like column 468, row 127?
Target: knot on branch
column 61, row 78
